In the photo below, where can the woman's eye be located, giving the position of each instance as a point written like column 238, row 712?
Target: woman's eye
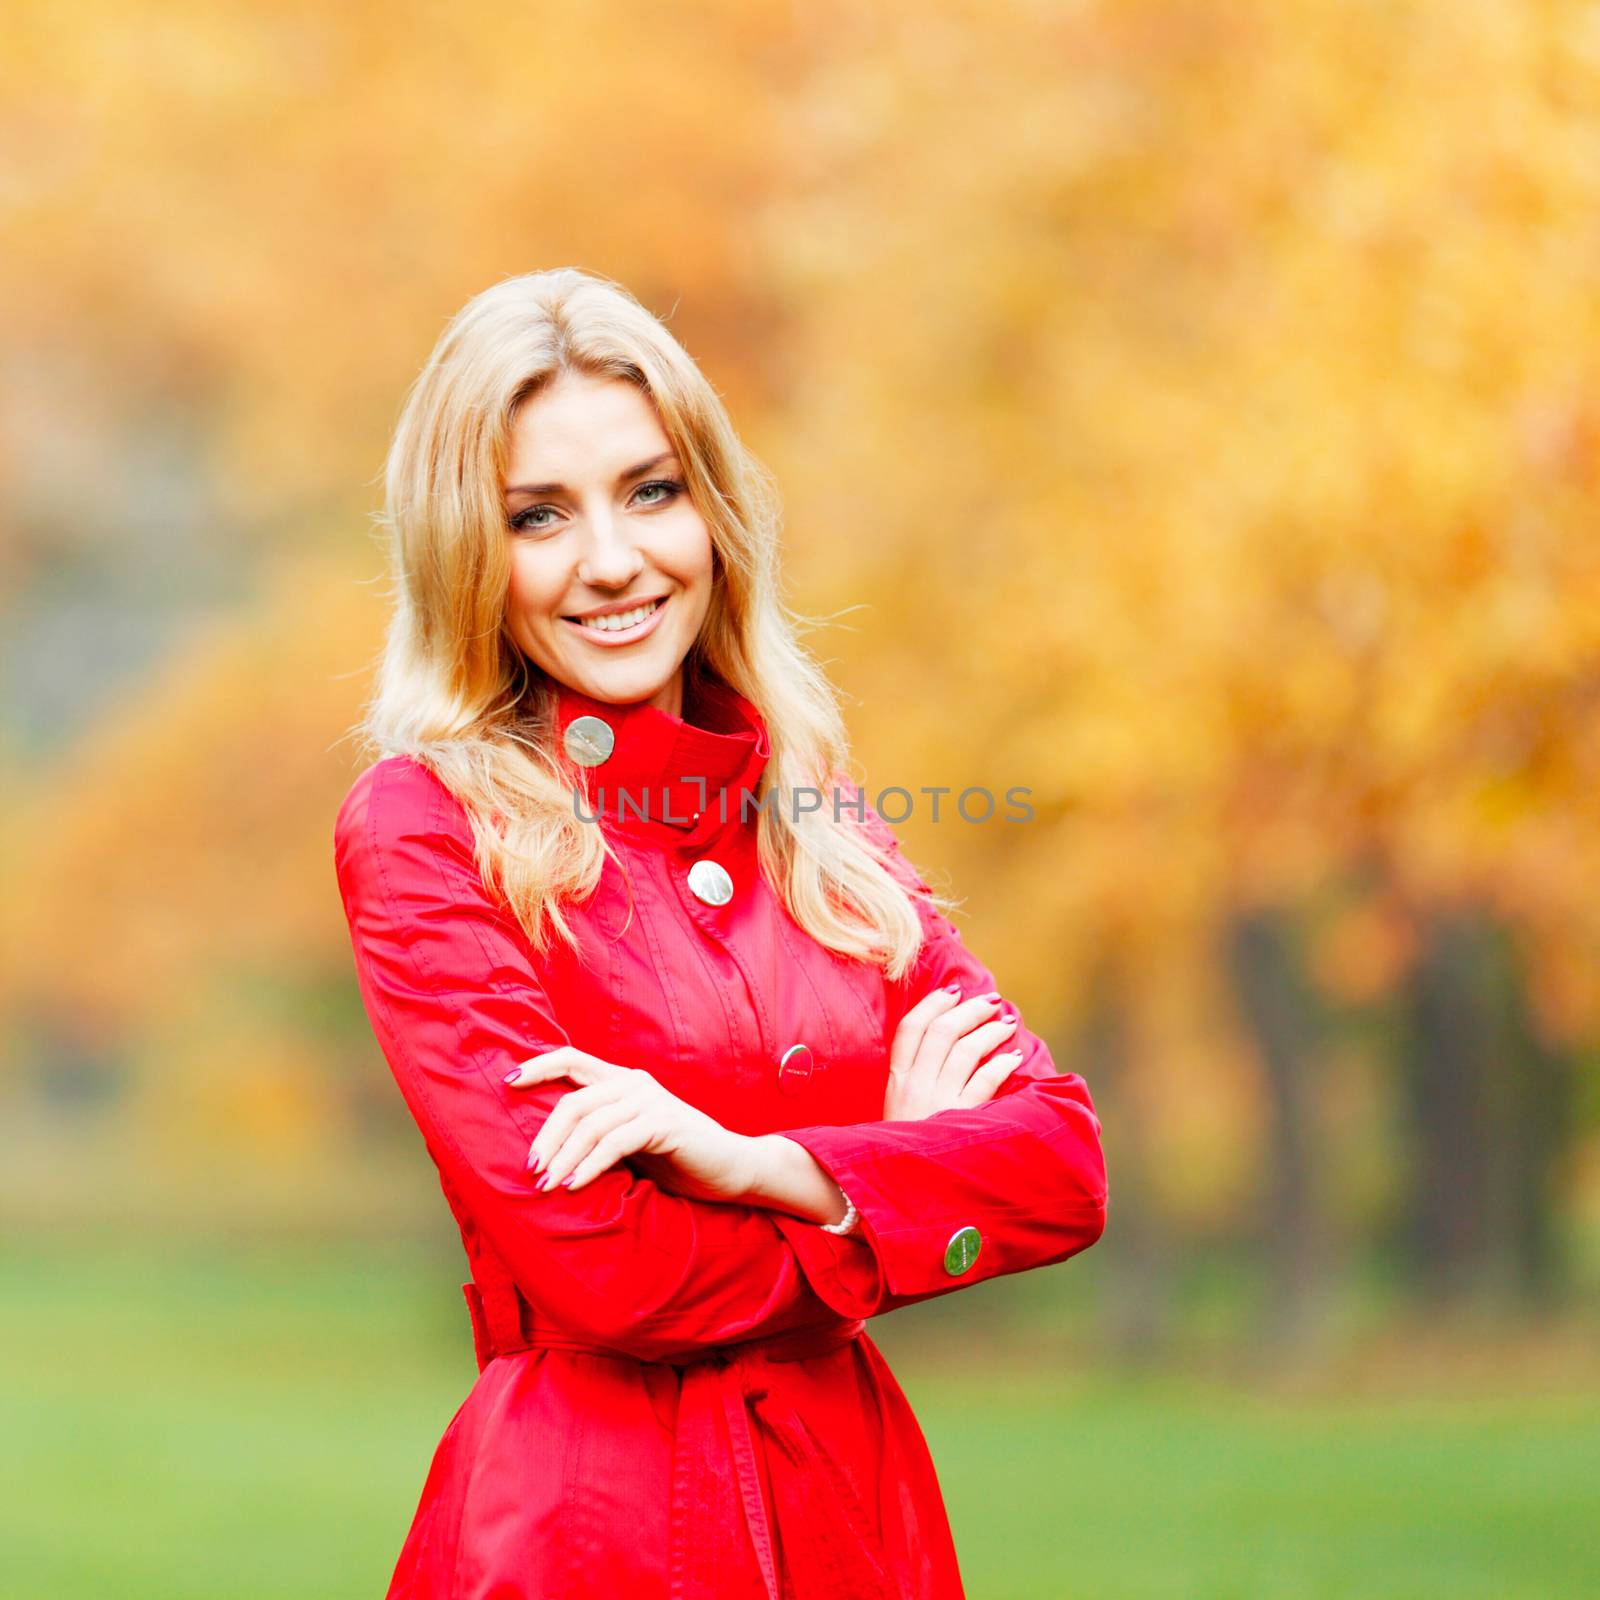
column 523, row 521
column 530, row 521
column 673, row 490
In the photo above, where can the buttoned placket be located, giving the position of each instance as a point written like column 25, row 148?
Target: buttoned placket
column 792, row 1065
column 709, row 852
column 721, row 856
column 711, row 856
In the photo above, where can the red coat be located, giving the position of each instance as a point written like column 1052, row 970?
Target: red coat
column 677, row 1398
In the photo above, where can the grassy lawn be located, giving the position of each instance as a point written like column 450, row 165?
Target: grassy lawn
column 259, row 1424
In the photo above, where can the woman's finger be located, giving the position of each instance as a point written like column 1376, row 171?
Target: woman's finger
column 622, row 1140
column 937, row 1025
column 570, row 1109
column 981, row 1086
column 585, row 1134
column 941, row 1035
column 970, row 1014
column 970, row 1049
column 565, row 1061
column 913, row 1026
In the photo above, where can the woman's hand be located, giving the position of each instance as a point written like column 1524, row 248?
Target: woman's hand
column 623, row 1111
column 934, row 1060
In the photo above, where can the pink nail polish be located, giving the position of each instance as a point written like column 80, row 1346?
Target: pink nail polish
column 1009, row 1021
column 994, row 996
column 512, row 1075
column 952, row 988
column 566, row 1182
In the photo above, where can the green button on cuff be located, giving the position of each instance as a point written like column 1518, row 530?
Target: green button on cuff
column 962, row 1250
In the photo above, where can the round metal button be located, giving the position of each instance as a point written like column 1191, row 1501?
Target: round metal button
column 709, row 881
column 962, row 1250
column 589, row 740
column 795, row 1067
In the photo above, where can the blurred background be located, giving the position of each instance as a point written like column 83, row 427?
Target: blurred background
column 1188, row 410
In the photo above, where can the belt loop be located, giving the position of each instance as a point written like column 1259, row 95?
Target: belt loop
column 481, row 1342
column 502, row 1309
column 496, row 1312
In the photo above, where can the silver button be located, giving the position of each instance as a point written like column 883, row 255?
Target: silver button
column 589, row 740
column 710, row 882
column 795, row 1067
column 962, row 1250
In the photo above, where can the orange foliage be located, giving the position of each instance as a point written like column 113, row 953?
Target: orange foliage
column 1201, row 400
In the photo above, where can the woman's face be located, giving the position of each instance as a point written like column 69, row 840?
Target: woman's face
column 602, row 526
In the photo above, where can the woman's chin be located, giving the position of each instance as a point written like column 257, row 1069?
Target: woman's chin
column 623, row 682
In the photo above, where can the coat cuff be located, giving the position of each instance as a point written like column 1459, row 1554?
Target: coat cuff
column 913, row 1207
column 842, row 1268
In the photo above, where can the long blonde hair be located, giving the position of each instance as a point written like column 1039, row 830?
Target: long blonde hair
column 456, row 693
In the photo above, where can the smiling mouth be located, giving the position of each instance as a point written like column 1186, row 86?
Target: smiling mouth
column 619, row 621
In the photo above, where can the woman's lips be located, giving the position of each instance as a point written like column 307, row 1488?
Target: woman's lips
column 612, row 638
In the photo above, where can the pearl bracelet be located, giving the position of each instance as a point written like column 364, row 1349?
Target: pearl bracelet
column 846, row 1222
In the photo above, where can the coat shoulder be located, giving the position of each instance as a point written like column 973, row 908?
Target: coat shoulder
column 396, row 797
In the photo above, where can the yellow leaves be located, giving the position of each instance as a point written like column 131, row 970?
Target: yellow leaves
column 197, row 822
column 1197, row 402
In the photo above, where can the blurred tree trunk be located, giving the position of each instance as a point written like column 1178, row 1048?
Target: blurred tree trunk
column 1136, row 1250
column 1489, row 1107
column 1543, row 1124
column 1283, row 1019
column 1445, row 1079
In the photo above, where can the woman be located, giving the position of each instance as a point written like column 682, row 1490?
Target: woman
column 708, row 1077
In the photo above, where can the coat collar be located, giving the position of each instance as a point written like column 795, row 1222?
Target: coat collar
column 687, row 774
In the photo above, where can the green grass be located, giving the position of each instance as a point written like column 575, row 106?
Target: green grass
column 257, row 1425
column 1163, row 1489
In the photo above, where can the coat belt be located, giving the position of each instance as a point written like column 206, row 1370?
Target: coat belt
column 828, row 1543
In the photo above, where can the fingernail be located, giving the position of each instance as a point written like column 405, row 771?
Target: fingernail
column 535, row 1161
column 1008, row 1021
column 994, row 996
column 952, row 988
column 512, row 1075
column 544, row 1182
column 566, row 1182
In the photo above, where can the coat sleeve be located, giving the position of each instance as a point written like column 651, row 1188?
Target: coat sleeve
column 453, row 991
column 1025, row 1169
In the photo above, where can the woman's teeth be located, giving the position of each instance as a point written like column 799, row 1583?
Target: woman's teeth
column 618, row 620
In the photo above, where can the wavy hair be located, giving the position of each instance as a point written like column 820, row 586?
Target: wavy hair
column 456, row 693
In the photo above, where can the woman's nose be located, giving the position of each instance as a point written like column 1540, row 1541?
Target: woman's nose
column 610, row 558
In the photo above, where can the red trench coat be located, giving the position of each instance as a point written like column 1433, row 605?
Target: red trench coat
column 677, row 1399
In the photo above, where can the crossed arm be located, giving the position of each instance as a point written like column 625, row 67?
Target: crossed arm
column 619, row 1113
column 455, row 1000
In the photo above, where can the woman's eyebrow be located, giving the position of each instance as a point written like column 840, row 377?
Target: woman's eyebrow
column 622, row 477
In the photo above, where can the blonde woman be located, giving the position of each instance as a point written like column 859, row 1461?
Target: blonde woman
column 709, row 1078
